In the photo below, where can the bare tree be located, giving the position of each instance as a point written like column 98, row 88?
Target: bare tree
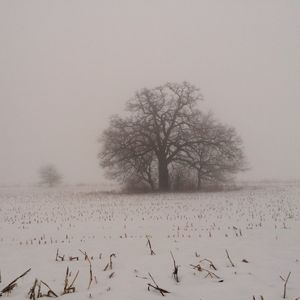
column 163, row 127
column 49, row 175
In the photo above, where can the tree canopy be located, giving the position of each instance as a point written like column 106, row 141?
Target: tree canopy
column 165, row 132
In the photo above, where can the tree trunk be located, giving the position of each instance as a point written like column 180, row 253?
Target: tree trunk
column 199, row 183
column 151, row 183
column 163, row 176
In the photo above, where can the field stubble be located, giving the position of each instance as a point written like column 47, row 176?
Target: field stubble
column 231, row 245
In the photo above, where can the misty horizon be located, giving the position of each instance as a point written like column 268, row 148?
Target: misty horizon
column 67, row 67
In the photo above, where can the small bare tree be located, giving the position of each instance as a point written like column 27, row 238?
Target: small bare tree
column 49, row 175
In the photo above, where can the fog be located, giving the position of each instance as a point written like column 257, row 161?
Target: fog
column 67, row 66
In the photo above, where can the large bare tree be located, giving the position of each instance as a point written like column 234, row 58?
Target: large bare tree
column 163, row 126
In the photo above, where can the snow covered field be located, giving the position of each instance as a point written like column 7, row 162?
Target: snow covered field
column 259, row 227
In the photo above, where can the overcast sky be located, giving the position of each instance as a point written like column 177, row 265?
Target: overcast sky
column 66, row 66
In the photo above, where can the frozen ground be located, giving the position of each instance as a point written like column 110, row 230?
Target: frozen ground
column 260, row 225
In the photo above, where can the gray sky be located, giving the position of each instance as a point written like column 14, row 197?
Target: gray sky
column 66, row 66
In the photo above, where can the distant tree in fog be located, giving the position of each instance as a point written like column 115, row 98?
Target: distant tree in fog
column 49, row 175
column 165, row 133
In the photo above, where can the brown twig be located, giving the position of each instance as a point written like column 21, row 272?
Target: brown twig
column 232, row 264
column 71, row 258
column 31, row 293
column 150, row 246
column 85, row 254
column 72, row 283
column 50, row 292
column 211, row 265
column 209, row 273
column 156, row 287
column 59, row 257
column 86, row 257
column 285, row 283
column 141, row 277
column 13, row 284
column 175, row 271
column 91, row 273
column 109, row 264
column 69, row 288
column 110, row 260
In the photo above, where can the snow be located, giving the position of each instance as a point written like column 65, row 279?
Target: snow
column 260, row 224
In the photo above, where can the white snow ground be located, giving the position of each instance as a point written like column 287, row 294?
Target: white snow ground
column 261, row 225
